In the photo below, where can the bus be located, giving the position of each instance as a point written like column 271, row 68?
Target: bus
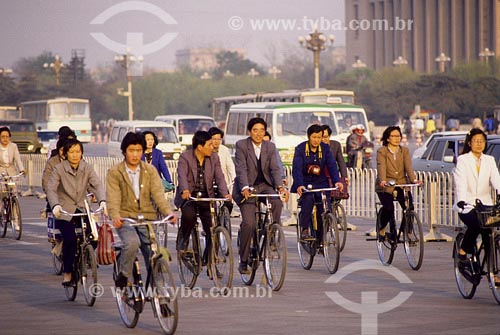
column 9, row 112
column 51, row 114
column 220, row 106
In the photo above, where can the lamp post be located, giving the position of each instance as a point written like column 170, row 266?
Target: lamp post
column 358, row 64
column 57, row 65
column 253, row 73
column 274, row 71
column 205, row 76
column 486, row 54
column 400, row 61
column 316, row 42
column 442, row 59
column 4, row 71
column 228, row 74
column 126, row 62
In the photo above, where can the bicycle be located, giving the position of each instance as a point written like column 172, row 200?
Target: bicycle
column 159, row 288
column 267, row 245
column 10, row 212
column 339, row 212
column 220, row 262
column 483, row 262
column 410, row 229
column 85, row 265
column 329, row 243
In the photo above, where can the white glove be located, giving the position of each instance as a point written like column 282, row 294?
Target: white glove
column 103, row 208
column 57, row 211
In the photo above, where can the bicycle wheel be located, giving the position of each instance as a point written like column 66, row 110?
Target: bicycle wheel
column 164, row 300
column 126, row 300
column 57, row 259
column 253, row 262
column 162, row 234
column 189, row 261
column 71, row 291
column 16, row 222
column 3, row 218
column 464, row 277
column 225, row 220
column 275, row 257
column 493, row 266
column 413, row 238
column 342, row 225
column 386, row 247
column 331, row 243
column 304, row 248
column 222, row 262
column 89, row 275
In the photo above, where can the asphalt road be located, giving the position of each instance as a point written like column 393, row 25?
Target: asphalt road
column 392, row 300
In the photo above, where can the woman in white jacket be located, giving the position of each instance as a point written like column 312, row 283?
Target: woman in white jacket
column 473, row 175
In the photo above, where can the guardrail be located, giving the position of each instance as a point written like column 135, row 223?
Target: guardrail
column 433, row 202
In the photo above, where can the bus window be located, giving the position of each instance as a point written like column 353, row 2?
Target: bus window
column 58, row 110
column 232, row 124
column 80, row 109
column 242, row 124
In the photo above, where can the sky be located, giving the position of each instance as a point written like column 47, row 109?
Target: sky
column 158, row 28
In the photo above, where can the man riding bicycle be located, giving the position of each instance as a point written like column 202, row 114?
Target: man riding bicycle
column 311, row 160
column 134, row 187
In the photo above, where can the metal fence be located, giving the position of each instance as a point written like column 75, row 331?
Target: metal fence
column 433, row 202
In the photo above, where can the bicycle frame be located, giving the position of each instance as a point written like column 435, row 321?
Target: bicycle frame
column 9, row 200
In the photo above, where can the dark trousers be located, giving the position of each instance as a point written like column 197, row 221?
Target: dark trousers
column 69, row 240
column 473, row 230
column 188, row 220
column 387, row 200
column 248, row 209
column 307, row 201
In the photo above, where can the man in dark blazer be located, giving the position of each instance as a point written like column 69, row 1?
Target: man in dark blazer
column 198, row 167
column 257, row 167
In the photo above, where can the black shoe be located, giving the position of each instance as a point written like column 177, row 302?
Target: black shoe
column 121, row 281
column 165, row 311
column 182, row 244
column 243, row 269
column 381, row 238
column 304, row 234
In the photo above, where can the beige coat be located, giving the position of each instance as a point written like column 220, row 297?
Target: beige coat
column 14, row 160
column 121, row 200
column 398, row 168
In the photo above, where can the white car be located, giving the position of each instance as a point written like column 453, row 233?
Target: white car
column 417, row 153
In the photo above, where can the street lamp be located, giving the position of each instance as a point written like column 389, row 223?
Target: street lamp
column 57, row 65
column 205, row 76
column 442, row 59
column 253, row 73
column 486, row 54
column 316, row 42
column 126, row 61
column 358, row 64
column 274, row 71
column 228, row 74
column 4, row 71
column 400, row 61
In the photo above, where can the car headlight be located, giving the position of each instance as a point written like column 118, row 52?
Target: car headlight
column 176, row 156
column 31, row 147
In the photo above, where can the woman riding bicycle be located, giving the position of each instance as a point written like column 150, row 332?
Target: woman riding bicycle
column 10, row 159
column 68, row 185
column 309, row 162
column 473, row 175
column 393, row 163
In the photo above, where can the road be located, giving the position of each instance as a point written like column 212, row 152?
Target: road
column 310, row 302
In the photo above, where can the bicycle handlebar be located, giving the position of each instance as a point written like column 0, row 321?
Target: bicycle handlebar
column 97, row 211
column 141, row 222
column 5, row 176
column 262, row 195
column 208, row 199
column 321, row 189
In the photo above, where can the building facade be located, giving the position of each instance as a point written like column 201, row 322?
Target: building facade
column 201, row 59
column 380, row 31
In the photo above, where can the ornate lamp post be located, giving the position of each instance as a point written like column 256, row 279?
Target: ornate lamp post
column 400, row 61
column 442, row 59
column 228, row 74
column 126, row 62
column 57, row 65
column 486, row 54
column 205, row 76
column 274, row 71
column 253, row 73
column 358, row 64
column 316, row 42
column 4, row 71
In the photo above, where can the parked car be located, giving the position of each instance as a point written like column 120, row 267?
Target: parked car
column 417, row 153
column 493, row 149
column 441, row 155
column 46, row 137
column 24, row 135
column 186, row 125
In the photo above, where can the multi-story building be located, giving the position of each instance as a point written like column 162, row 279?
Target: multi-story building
column 419, row 31
column 201, row 59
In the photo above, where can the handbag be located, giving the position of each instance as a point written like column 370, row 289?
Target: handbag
column 105, row 250
column 167, row 186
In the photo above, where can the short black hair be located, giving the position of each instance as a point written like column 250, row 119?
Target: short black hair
column 2, row 129
column 473, row 132
column 66, row 132
column 327, row 128
column 268, row 135
column 149, row 132
column 314, row 128
column 69, row 143
column 200, row 138
column 216, row 131
column 253, row 121
column 132, row 138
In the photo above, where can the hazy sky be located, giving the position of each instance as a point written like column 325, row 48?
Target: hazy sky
column 159, row 28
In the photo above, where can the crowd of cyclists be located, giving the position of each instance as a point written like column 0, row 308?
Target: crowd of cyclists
column 137, row 185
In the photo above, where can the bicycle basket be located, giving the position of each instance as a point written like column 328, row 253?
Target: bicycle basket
column 489, row 216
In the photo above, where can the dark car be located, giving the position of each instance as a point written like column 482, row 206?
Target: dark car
column 494, row 149
column 441, row 155
column 23, row 133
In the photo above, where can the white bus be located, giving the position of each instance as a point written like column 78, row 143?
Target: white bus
column 288, row 122
column 53, row 113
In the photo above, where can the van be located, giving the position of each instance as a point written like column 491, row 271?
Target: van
column 187, row 125
column 167, row 138
column 288, row 122
column 23, row 133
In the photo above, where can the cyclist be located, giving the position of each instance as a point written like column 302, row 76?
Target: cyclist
column 63, row 133
column 336, row 149
column 354, row 144
column 257, row 166
column 134, row 187
column 267, row 137
column 310, row 161
column 154, row 156
column 197, row 169
column 68, row 185
column 10, row 159
column 393, row 163
column 473, row 175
